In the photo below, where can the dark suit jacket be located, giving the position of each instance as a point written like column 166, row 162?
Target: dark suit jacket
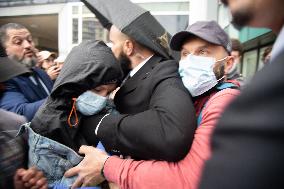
column 248, row 144
column 22, row 96
column 157, row 119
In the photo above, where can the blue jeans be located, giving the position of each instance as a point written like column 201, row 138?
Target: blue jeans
column 51, row 157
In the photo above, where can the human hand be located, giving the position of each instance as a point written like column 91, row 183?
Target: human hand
column 29, row 178
column 59, row 65
column 89, row 169
column 53, row 72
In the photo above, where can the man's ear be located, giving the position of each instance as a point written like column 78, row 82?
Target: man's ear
column 229, row 64
column 128, row 47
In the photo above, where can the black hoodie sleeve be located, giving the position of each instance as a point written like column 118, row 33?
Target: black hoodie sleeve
column 163, row 132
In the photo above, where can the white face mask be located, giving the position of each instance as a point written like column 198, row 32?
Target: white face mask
column 90, row 103
column 197, row 73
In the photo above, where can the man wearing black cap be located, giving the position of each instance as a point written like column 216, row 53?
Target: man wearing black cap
column 205, row 60
column 23, row 94
column 156, row 119
column 13, row 149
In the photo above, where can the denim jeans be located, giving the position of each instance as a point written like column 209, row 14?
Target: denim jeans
column 51, row 157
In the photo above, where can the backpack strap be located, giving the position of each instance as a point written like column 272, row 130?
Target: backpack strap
column 222, row 86
column 219, row 87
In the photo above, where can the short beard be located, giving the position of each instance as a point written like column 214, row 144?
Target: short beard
column 28, row 62
column 225, row 2
column 241, row 18
column 219, row 71
column 124, row 63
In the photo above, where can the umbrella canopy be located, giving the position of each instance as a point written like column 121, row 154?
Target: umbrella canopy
column 133, row 21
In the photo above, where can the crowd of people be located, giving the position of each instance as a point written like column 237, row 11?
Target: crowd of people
column 135, row 116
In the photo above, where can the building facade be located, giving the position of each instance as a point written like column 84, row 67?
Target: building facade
column 59, row 25
column 254, row 41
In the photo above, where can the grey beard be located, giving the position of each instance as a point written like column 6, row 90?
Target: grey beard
column 28, row 62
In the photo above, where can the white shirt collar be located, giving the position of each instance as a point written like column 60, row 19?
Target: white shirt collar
column 134, row 70
column 278, row 45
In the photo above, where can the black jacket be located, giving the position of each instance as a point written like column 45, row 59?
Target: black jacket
column 157, row 119
column 88, row 65
column 249, row 140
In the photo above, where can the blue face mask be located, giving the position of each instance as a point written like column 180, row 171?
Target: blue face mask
column 89, row 103
column 197, row 73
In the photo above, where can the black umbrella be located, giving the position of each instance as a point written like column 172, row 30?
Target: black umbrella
column 133, row 21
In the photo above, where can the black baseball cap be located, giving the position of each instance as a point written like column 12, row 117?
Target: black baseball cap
column 209, row 31
column 9, row 68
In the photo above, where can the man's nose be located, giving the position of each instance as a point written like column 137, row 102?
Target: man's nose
column 27, row 44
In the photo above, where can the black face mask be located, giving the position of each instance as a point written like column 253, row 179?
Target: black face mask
column 124, row 63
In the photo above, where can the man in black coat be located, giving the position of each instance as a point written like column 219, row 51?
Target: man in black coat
column 249, row 139
column 156, row 119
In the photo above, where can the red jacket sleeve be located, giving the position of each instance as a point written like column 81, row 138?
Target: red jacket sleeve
column 131, row 174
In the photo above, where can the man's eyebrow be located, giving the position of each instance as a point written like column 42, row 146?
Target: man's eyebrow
column 203, row 47
column 16, row 37
column 21, row 37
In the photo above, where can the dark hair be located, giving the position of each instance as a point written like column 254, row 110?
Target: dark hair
column 2, row 51
column 237, row 46
column 9, row 26
column 225, row 2
column 266, row 52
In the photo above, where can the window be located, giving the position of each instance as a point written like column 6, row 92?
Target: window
column 92, row 29
column 173, row 23
column 165, row 6
column 75, row 31
column 75, row 10
column 224, row 16
column 249, row 63
column 173, row 16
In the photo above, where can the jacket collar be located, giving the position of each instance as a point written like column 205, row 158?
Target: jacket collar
column 37, row 89
column 141, row 74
